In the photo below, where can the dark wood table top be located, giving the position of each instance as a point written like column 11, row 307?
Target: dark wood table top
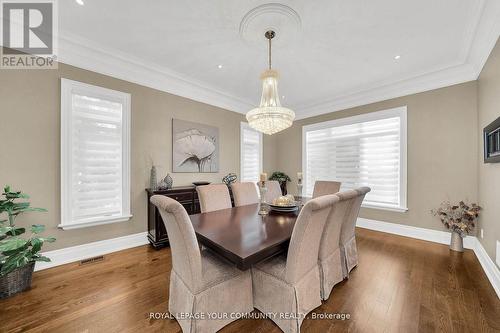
column 242, row 236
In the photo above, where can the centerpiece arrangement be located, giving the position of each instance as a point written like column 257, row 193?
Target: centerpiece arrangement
column 17, row 254
column 460, row 219
column 284, row 204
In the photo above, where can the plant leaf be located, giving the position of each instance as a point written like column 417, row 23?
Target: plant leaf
column 15, row 261
column 4, row 230
column 42, row 258
column 15, row 251
column 37, row 228
column 12, row 244
column 36, row 244
column 48, row 239
column 16, row 231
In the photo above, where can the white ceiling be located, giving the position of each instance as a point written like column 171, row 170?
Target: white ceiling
column 342, row 54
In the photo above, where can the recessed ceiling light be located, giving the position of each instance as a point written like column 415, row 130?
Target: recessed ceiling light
column 219, row 66
column 283, row 97
column 397, row 57
column 80, row 2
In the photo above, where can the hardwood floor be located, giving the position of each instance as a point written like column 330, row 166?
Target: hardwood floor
column 400, row 285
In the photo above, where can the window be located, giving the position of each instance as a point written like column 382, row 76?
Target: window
column 366, row 150
column 95, row 155
column 251, row 153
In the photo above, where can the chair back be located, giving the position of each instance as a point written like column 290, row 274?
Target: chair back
column 345, row 207
column 186, row 257
column 244, row 194
column 353, row 200
column 273, row 190
column 325, row 187
column 213, row 197
column 306, row 236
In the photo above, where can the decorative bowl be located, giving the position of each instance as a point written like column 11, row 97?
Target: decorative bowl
column 200, row 183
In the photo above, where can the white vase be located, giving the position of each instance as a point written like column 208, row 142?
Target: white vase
column 457, row 242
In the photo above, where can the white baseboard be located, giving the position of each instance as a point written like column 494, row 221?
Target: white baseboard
column 441, row 237
column 489, row 267
column 79, row 252
column 436, row 236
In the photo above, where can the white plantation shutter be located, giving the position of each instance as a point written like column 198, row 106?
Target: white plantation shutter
column 94, row 155
column 251, row 153
column 367, row 150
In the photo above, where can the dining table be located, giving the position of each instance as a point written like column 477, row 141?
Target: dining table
column 244, row 237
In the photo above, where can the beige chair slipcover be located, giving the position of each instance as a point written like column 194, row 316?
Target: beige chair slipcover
column 244, row 194
column 213, row 197
column 348, row 249
column 200, row 282
column 324, row 187
column 336, row 259
column 290, row 285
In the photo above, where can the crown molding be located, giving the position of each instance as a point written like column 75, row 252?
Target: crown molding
column 479, row 41
column 435, row 80
column 85, row 54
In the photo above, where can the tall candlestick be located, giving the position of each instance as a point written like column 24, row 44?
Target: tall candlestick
column 299, row 183
column 263, row 191
column 263, row 177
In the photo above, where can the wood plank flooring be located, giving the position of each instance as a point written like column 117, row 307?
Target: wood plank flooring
column 400, row 285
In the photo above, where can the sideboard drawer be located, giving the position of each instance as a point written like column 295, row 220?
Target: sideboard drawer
column 181, row 197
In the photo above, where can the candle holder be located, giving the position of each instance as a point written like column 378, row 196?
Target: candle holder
column 263, row 203
column 299, row 189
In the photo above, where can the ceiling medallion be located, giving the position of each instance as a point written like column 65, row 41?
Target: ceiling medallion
column 270, row 117
column 281, row 19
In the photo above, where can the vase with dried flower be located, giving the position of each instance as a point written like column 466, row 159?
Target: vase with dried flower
column 460, row 219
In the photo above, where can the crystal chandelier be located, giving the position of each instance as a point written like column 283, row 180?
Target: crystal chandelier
column 270, row 117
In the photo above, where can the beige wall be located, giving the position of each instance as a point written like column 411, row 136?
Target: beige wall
column 489, row 174
column 30, row 141
column 442, row 150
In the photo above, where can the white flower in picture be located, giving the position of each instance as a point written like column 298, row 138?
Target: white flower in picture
column 195, row 147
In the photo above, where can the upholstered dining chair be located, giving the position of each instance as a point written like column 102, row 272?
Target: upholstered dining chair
column 332, row 260
column 290, row 283
column 244, row 194
column 348, row 248
column 200, row 282
column 273, row 190
column 213, row 197
column 324, row 187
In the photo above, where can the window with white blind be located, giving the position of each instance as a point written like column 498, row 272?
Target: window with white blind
column 251, row 153
column 95, row 155
column 366, row 150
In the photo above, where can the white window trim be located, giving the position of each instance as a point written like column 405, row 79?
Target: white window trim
column 244, row 125
column 68, row 87
column 395, row 112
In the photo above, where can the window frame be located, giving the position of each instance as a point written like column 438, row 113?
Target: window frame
column 68, row 88
column 400, row 112
column 245, row 125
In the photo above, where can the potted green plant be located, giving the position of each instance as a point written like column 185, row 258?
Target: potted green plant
column 17, row 254
column 282, row 178
column 460, row 219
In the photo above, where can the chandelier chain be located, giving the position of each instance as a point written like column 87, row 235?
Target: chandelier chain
column 270, row 53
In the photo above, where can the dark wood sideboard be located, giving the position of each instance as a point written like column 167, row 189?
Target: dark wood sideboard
column 186, row 195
